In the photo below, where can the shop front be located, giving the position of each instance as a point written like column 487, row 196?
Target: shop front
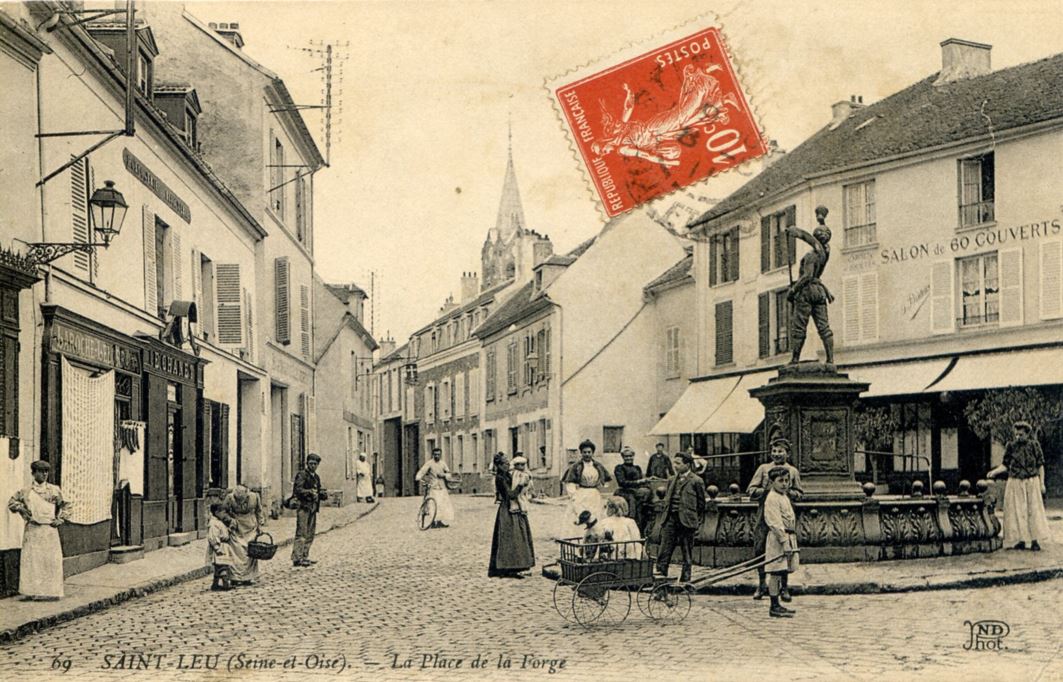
column 119, row 424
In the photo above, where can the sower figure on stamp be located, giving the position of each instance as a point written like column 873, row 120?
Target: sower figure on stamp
column 808, row 294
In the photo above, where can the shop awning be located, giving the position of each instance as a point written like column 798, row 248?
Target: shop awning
column 1031, row 367
column 699, row 400
column 739, row 412
column 898, row 378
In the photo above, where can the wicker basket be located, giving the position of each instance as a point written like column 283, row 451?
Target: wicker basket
column 261, row 550
column 622, row 559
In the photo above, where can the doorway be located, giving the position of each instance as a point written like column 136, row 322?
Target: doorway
column 174, row 473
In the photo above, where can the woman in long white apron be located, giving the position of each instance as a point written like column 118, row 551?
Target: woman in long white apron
column 44, row 510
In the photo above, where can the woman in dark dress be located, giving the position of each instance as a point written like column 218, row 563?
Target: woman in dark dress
column 511, row 544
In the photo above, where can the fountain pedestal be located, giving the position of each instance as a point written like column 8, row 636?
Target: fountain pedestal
column 812, row 404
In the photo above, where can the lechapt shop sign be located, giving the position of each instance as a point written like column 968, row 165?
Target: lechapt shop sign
column 994, row 236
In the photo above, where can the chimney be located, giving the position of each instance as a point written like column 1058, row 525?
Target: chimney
column 843, row 109
column 387, row 347
column 962, row 59
column 542, row 250
column 230, row 31
column 470, row 286
column 448, row 305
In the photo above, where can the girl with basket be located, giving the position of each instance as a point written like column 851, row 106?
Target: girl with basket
column 244, row 509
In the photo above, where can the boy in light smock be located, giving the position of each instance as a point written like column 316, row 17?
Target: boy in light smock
column 781, row 543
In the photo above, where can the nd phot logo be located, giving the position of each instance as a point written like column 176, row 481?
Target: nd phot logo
column 986, row 635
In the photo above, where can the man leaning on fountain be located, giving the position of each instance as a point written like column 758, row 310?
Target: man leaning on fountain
column 808, row 294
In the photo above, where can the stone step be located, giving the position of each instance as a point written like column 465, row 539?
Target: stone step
column 123, row 554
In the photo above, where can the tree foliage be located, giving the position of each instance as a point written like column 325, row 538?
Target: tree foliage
column 993, row 415
column 874, row 427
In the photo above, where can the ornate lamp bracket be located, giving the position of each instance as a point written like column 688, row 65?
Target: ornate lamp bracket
column 45, row 252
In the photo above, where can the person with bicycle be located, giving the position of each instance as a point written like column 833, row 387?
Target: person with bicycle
column 433, row 475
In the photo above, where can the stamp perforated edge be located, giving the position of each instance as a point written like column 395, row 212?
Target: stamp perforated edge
column 637, row 49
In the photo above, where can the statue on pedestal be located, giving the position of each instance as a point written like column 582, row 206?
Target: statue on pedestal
column 808, row 294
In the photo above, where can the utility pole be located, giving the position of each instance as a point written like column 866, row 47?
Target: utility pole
column 332, row 56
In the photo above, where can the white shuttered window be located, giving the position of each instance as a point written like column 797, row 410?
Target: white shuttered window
column 282, row 301
column 1051, row 258
column 229, row 305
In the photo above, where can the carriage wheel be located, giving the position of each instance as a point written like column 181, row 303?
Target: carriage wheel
column 426, row 515
column 642, row 599
column 595, row 601
column 669, row 602
column 563, row 602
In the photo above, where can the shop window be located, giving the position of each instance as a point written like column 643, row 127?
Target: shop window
column 776, row 247
column 977, row 190
column 859, row 216
column 723, row 257
column 612, row 438
column 724, row 333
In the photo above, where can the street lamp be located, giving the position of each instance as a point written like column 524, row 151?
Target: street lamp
column 107, row 209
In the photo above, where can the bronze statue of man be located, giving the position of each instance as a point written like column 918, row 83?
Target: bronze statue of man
column 808, row 294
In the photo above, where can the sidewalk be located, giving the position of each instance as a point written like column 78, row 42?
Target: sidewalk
column 112, row 584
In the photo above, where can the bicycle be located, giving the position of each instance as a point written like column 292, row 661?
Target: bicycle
column 426, row 514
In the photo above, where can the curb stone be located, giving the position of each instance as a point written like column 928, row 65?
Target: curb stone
column 10, row 635
column 867, row 587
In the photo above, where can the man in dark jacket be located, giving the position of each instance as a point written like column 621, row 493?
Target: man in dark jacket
column 659, row 465
column 684, row 506
column 308, row 493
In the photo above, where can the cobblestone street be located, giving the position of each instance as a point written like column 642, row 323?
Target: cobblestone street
column 385, row 594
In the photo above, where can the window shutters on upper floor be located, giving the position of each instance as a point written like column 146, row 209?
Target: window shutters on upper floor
column 764, row 324
column 714, row 248
column 765, row 243
column 81, row 229
column 304, row 320
column 860, row 308
column 175, row 264
column 1051, row 258
column 196, row 270
column 230, row 305
column 151, row 302
column 724, row 333
column 282, row 301
column 942, row 302
column 1011, row 299
column 459, row 394
column 249, row 339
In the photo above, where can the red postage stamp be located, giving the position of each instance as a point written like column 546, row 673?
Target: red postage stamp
column 660, row 121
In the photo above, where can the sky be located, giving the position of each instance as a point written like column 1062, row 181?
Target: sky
column 428, row 89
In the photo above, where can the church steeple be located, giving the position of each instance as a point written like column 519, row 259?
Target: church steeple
column 510, row 211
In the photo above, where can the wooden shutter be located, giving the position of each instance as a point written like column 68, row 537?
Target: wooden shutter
column 282, row 300
column 459, row 394
column 197, row 280
column 223, row 442
column 229, row 305
column 869, row 306
column 175, row 263
column 735, row 254
column 851, row 309
column 765, row 243
column 151, row 302
column 1052, row 280
column 311, row 423
column 79, row 212
column 764, row 324
column 942, row 298
column 1011, row 300
column 249, row 340
column 304, row 320
column 714, row 248
column 724, row 335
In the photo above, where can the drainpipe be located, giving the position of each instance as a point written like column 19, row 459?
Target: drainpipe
column 560, row 394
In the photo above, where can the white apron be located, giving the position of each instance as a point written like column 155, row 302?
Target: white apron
column 41, row 566
column 1024, row 511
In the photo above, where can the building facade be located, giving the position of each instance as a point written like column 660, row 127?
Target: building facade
column 343, row 384
column 254, row 136
column 139, row 331
column 945, row 263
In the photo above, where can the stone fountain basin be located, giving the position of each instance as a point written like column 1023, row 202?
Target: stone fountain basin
column 878, row 528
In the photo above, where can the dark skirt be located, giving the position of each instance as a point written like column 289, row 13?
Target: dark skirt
column 511, row 544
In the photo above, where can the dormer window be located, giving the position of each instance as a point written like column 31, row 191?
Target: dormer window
column 191, row 129
column 145, row 74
